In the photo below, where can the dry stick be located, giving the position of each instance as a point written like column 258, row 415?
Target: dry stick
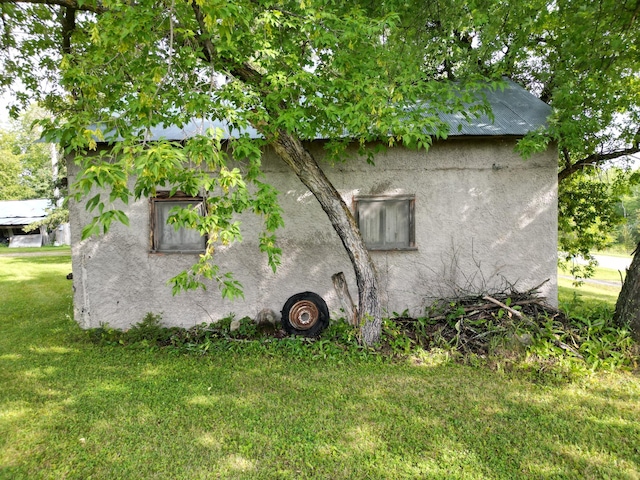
column 536, row 288
column 502, row 305
column 350, row 310
column 474, row 309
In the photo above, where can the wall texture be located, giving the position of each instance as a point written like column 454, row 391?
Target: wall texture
column 485, row 220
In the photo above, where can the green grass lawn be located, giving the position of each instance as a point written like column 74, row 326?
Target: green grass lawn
column 72, row 409
column 590, row 289
column 602, row 293
column 621, row 252
column 62, row 250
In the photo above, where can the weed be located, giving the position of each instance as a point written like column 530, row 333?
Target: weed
column 247, row 328
column 394, row 338
column 105, row 335
column 148, row 332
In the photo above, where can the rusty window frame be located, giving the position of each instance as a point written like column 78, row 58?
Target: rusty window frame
column 382, row 202
column 163, row 197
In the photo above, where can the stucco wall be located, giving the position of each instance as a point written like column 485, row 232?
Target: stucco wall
column 485, row 219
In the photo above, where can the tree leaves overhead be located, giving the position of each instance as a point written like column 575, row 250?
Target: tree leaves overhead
column 588, row 70
column 322, row 69
column 306, row 68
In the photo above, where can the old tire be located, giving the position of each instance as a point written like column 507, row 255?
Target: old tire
column 305, row 314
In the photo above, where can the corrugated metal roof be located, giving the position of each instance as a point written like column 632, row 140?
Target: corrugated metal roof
column 198, row 127
column 515, row 112
column 23, row 212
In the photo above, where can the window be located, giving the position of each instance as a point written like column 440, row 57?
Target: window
column 387, row 223
column 164, row 237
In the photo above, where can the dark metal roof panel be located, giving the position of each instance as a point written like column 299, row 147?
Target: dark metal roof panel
column 18, row 221
column 199, row 127
column 515, row 112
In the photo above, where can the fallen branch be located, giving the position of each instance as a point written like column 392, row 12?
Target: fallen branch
column 535, row 289
column 502, row 305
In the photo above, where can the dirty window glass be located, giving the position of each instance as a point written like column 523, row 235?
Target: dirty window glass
column 386, row 223
column 165, row 237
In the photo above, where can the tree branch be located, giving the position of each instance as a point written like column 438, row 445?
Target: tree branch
column 567, row 157
column 68, row 22
column 72, row 4
column 208, row 49
column 244, row 72
column 594, row 159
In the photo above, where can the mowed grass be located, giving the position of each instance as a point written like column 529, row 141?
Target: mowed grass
column 604, row 286
column 71, row 409
column 588, row 291
column 62, row 250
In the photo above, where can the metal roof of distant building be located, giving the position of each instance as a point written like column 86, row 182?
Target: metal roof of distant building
column 516, row 112
column 23, row 212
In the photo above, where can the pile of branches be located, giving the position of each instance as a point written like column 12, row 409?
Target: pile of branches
column 470, row 323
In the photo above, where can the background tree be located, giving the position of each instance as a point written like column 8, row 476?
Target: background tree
column 628, row 232
column 26, row 171
column 10, row 170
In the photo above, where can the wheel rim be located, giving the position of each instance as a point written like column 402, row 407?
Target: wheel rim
column 303, row 315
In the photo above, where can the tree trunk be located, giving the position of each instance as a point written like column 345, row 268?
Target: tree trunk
column 291, row 150
column 627, row 312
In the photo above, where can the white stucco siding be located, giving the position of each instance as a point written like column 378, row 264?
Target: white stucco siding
column 484, row 217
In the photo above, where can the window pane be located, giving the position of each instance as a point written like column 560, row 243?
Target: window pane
column 370, row 215
column 170, row 239
column 386, row 223
column 396, row 223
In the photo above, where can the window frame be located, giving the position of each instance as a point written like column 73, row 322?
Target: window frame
column 358, row 200
column 166, row 197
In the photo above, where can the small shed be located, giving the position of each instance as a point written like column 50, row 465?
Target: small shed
column 17, row 214
column 468, row 215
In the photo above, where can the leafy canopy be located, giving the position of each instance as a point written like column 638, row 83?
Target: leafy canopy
column 317, row 68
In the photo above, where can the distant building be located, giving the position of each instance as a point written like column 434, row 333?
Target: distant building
column 17, row 214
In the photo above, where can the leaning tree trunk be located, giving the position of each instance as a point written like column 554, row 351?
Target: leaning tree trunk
column 628, row 305
column 291, row 150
